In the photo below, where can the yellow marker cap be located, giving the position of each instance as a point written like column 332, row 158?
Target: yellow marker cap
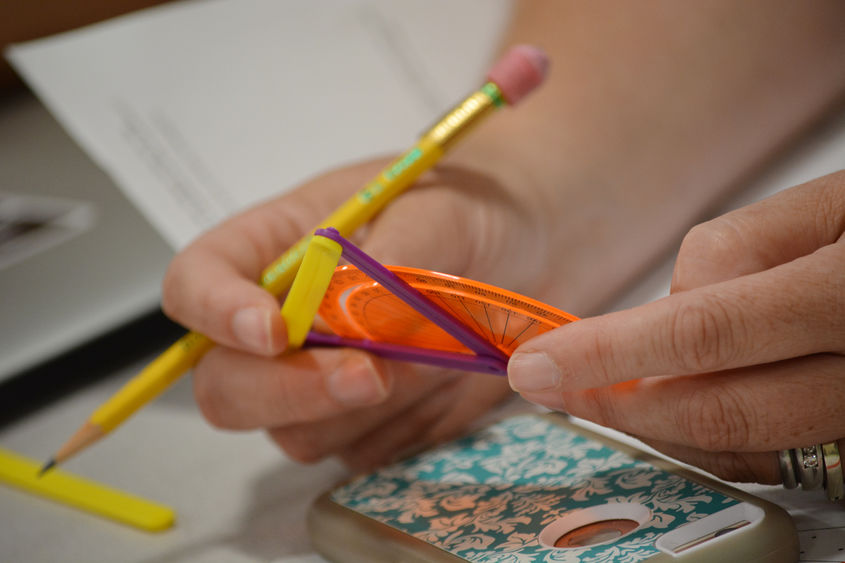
column 84, row 494
column 309, row 286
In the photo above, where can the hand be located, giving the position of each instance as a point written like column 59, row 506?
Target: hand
column 745, row 356
column 316, row 403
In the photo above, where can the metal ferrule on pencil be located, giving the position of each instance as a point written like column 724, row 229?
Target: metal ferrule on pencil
column 463, row 117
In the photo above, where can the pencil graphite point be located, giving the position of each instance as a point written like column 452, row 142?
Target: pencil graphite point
column 87, row 434
column 51, row 463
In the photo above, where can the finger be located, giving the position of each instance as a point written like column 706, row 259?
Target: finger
column 792, row 310
column 212, row 286
column 764, row 408
column 426, row 407
column 790, row 224
column 398, row 438
column 439, row 417
column 237, row 390
column 742, row 467
column 312, row 441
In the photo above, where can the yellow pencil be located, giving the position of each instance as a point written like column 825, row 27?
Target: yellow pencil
column 518, row 72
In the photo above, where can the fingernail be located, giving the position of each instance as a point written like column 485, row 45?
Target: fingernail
column 532, row 372
column 252, row 328
column 356, row 383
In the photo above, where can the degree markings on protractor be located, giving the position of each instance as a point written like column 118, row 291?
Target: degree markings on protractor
column 357, row 307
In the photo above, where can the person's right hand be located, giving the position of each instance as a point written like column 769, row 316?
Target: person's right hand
column 321, row 402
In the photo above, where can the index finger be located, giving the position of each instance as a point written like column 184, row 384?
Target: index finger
column 792, row 310
column 211, row 286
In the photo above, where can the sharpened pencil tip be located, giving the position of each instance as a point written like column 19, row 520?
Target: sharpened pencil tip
column 51, row 463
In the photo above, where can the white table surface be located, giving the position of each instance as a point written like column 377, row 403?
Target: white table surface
column 236, row 498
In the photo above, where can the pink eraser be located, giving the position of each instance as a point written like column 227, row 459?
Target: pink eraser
column 518, row 72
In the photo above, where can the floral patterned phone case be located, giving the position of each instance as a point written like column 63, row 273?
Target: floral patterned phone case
column 538, row 488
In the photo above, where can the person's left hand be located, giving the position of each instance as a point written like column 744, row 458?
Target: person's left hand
column 745, row 357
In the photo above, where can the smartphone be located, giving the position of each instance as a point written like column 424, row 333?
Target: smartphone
column 540, row 488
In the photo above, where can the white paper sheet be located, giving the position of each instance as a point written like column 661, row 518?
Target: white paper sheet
column 198, row 109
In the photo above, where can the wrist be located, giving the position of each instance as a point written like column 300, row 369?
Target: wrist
column 565, row 219
column 515, row 228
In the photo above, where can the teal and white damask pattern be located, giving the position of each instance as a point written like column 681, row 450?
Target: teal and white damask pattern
column 488, row 496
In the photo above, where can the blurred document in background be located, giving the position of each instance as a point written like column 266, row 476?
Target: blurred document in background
column 198, row 109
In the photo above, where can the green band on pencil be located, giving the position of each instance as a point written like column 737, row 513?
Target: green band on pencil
column 494, row 93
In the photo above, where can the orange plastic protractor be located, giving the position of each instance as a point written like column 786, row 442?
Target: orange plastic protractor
column 355, row 306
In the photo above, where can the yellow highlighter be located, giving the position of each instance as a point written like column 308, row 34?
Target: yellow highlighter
column 84, row 494
column 515, row 75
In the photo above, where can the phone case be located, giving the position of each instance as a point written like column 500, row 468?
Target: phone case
column 539, row 488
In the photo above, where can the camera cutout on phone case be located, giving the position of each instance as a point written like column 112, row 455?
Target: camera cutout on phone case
column 594, row 525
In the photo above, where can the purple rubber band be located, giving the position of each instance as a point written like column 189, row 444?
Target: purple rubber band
column 439, row 358
column 436, row 314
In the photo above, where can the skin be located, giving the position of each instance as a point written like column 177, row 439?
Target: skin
column 752, row 334
column 652, row 114
column 320, row 402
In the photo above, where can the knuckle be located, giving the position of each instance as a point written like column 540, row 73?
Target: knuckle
column 716, row 241
column 187, row 299
column 287, row 404
column 715, row 419
column 702, row 336
column 602, row 358
column 205, row 313
column 830, row 205
column 715, row 246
